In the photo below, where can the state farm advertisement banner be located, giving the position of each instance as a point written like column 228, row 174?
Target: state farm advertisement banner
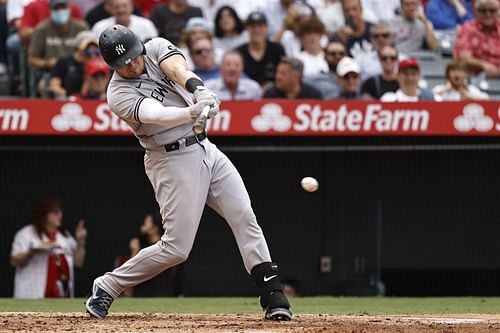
column 266, row 117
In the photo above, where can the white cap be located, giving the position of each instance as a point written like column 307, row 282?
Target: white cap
column 347, row 65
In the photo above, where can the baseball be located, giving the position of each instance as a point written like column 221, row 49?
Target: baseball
column 309, row 184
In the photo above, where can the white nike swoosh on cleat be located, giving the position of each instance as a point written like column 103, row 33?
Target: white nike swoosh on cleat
column 269, row 278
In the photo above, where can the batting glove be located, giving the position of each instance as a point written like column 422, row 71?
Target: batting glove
column 204, row 94
column 195, row 110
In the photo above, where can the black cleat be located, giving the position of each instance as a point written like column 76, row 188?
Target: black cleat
column 278, row 307
column 98, row 303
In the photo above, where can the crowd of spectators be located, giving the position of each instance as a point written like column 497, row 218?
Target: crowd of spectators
column 334, row 49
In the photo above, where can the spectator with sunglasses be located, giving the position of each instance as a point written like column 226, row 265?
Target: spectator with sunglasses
column 203, row 56
column 326, row 82
column 375, row 86
column 368, row 58
column 66, row 76
column 478, row 40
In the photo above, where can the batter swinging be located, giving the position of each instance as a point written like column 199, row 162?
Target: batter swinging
column 152, row 91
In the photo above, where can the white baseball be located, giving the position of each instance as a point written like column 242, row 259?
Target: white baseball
column 309, row 184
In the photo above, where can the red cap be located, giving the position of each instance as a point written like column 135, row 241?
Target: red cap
column 96, row 66
column 408, row 63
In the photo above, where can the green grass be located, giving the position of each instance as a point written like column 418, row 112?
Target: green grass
column 325, row 305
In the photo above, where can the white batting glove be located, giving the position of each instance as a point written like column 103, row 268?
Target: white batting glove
column 197, row 109
column 204, row 94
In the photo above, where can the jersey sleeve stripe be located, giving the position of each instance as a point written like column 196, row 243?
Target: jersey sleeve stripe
column 136, row 109
column 166, row 56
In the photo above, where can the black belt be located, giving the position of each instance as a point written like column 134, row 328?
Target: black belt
column 189, row 141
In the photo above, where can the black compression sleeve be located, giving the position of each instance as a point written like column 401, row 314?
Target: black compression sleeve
column 192, row 83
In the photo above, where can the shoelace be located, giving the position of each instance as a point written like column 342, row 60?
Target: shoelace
column 105, row 301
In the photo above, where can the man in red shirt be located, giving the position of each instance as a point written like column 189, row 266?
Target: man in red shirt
column 478, row 41
column 38, row 11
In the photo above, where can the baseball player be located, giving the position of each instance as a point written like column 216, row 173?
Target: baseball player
column 152, row 90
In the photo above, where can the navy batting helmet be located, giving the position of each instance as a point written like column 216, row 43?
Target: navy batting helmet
column 119, row 46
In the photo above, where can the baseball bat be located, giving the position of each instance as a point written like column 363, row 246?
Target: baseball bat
column 201, row 122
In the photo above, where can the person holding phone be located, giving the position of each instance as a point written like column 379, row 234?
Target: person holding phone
column 355, row 34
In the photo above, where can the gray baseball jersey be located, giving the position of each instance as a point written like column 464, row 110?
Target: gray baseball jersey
column 183, row 179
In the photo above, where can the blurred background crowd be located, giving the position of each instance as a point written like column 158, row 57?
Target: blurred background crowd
column 391, row 50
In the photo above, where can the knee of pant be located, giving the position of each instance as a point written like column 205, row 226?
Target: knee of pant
column 177, row 256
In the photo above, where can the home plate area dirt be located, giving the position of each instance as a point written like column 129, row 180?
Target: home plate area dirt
column 156, row 322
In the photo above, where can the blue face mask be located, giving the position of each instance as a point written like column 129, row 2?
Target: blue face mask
column 60, row 16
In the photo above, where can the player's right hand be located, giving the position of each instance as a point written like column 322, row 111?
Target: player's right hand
column 195, row 110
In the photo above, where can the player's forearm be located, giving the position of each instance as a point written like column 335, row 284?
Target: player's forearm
column 152, row 112
column 176, row 68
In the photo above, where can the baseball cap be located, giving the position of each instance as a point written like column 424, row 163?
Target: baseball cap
column 96, row 66
column 408, row 63
column 347, row 65
column 198, row 22
column 84, row 38
column 256, row 17
column 53, row 3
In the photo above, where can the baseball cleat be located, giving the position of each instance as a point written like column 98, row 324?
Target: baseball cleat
column 278, row 314
column 98, row 303
column 278, row 307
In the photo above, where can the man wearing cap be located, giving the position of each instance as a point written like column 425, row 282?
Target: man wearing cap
column 349, row 79
column 171, row 19
column 288, row 83
column 51, row 40
column 66, row 76
column 408, row 77
column 38, row 11
column 122, row 13
column 260, row 56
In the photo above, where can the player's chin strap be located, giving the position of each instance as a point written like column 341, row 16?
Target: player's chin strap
column 267, row 280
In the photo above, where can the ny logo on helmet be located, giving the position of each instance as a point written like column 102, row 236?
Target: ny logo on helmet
column 120, row 49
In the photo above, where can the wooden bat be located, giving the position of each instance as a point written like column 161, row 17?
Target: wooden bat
column 201, row 122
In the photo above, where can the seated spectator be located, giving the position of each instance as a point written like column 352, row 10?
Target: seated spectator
column 326, row 82
column 383, row 10
column 260, row 56
column 478, row 41
column 38, row 11
column 44, row 253
column 287, row 36
column 349, row 79
column 97, row 76
column 288, row 82
column 408, row 77
column 170, row 19
column 122, row 11
column 456, row 87
column 102, row 11
column 368, row 58
column 448, row 14
column 413, row 31
column 196, row 28
column 333, row 18
column 376, row 86
column 355, row 34
column 66, row 77
column 202, row 53
column 53, row 39
column 229, row 30
column 312, row 56
column 231, row 85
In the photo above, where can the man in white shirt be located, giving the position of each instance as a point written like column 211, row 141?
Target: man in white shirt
column 230, row 85
column 408, row 77
column 122, row 14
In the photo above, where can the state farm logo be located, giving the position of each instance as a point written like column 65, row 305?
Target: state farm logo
column 71, row 117
column 271, row 117
column 473, row 118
